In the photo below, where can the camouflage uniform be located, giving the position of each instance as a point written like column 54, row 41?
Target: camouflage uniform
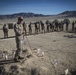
column 48, row 27
column 62, row 26
column 36, row 28
column 56, row 26
column 73, row 26
column 5, row 30
column 19, row 29
column 51, row 27
column 67, row 26
column 30, row 28
column 39, row 26
column 42, row 27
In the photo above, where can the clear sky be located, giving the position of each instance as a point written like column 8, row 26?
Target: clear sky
column 48, row 7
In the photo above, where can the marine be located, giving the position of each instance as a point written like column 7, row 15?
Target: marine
column 5, row 30
column 30, row 28
column 20, row 30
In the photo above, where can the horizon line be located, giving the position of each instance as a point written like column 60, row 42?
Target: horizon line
column 35, row 13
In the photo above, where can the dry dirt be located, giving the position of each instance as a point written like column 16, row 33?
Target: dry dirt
column 58, row 49
column 59, row 52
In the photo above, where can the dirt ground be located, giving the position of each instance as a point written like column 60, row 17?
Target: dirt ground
column 57, row 53
column 59, row 49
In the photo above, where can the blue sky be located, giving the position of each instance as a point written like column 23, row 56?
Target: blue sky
column 36, row 6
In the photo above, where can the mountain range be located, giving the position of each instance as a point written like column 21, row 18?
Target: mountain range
column 10, row 16
column 69, row 13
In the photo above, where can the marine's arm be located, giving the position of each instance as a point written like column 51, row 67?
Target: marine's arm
column 17, row 31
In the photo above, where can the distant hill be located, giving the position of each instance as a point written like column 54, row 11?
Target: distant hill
column 10, row 16
column 69, row 13
column 63, row 14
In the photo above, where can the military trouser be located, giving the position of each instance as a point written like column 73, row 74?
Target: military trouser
column 36, row 30
column 19, row 45
column 56, row 28
column 5, row 34
column 43, row 30
column 66, row 27
column 47, row 28
column 62, row 28
column 72, row 27
column 30, row 31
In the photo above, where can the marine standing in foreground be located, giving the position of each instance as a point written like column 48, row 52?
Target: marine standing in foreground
column 19, row 28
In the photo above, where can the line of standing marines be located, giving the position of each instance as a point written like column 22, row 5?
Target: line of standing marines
column 49, row 26
column 41, row 27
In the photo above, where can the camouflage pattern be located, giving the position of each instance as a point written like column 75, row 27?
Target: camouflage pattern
column 51, row 26
column 56, row 26
column 67, row 26
column 42, row 27
column 73, row 24
column 67, row 22
column 47, row 26
column 5, row 30
column 30, row 28
column 36, row 28
column 19, row 29
column 62, row 26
